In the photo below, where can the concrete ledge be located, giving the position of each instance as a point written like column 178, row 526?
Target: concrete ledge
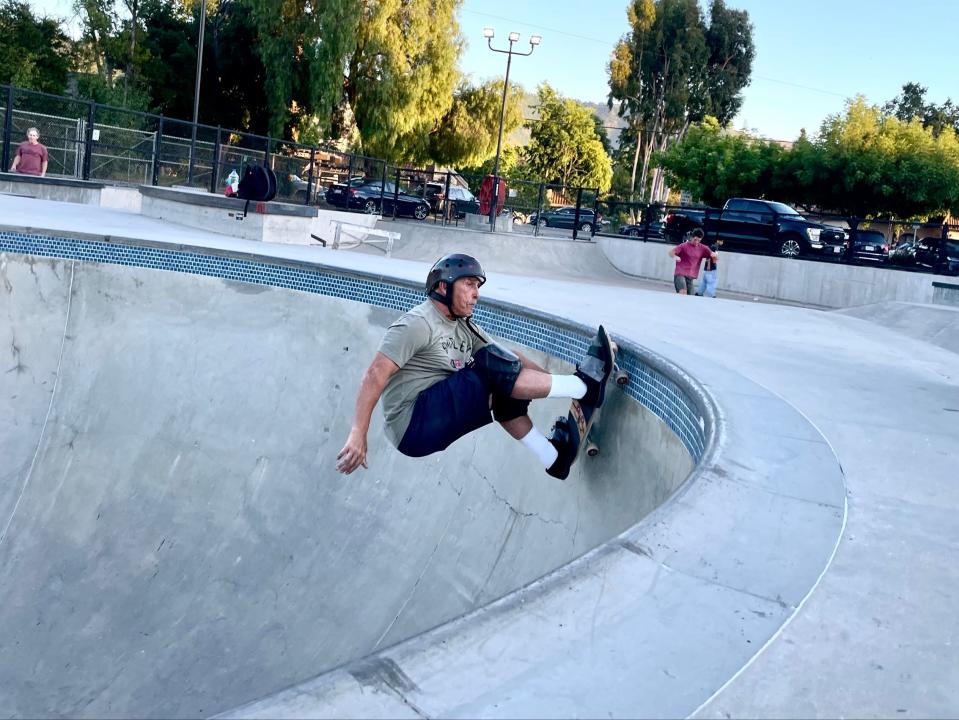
column 49, row 181
column 200, row 198
column 945, row 293
column 82, row 192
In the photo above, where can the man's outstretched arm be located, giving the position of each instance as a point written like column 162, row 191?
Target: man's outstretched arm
column 374, row 382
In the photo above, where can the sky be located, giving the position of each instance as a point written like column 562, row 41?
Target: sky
column 811, row 55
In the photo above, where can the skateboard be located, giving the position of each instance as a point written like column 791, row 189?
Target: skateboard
column 599, row 365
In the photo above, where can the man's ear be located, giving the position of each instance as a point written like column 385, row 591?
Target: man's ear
column 441, row 288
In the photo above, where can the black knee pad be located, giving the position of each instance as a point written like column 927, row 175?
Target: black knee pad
column 507, row 408
column 498, row 367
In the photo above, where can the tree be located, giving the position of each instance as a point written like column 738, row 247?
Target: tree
column 714, row 164
column 233, row 78
column 402, row 72
column 35, row 53
column 392, row 63
column 863, row 162
column 468, row 133
column 911, row 104
column 673, row 69
column 872, row 163
column 564, row 146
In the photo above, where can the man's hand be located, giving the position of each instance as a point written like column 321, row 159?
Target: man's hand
column 353, row 453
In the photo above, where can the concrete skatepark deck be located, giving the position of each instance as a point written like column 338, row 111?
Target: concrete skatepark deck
column 167, row 513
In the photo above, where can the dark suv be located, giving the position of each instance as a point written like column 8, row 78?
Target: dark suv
column 867, row 246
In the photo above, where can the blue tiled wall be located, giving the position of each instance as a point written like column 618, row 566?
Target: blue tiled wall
column 647, row 385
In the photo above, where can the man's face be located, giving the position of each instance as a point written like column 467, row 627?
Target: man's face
column 33, row 136
column 465, row 296
column 694, row 239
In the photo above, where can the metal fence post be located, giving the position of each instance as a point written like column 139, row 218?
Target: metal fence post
column 597, row 226
column 88, row 141
column 157, row 151
column 579, row 201
column 539, row 208
column 446, row 199
column 309, row 177
column 349, row 173
column 396, row 192
column 383, row 187
column 7, row 131
column 215, row 170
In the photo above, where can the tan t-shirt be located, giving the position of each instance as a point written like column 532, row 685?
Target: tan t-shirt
column 428, row 348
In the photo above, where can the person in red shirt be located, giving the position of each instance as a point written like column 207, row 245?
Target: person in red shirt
column 31, row 157
column 689, row 256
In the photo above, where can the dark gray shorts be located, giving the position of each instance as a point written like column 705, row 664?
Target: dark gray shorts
column 681, row 281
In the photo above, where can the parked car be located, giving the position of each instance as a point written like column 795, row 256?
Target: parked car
column 940, row 255
column 463, row 201
column 565, row 217
column 299, row 186
column 434, row 193
column 654, row 231
column 773, row 227
column 867, row 246
column 680, row 222
column 369, row 195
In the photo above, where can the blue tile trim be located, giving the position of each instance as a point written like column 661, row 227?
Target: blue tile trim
column 655, row 390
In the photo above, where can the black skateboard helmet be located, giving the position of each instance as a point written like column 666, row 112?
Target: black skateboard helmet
column 449, row 269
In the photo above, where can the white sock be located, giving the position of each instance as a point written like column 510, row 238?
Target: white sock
column 567, row 386
column 540, row 447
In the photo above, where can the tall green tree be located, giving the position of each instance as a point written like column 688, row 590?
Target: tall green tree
column 35, row 52
column 233, row 78
column 911, row 104
column 872, row 163
column 564, row 146
column 673, row 68
column 401, row 74
column 467, row 134
column 714, row 164
column 389, row 66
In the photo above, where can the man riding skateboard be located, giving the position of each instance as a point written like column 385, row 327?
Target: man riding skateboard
column 442, row 377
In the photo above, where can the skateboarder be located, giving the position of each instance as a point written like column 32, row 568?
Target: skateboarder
column 441, row 377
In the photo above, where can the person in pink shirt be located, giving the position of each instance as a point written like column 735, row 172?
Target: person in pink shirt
column 31, row 157
column 689, row 256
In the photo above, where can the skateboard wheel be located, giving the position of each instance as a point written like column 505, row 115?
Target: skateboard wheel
column 592, row 449
column 622, row 379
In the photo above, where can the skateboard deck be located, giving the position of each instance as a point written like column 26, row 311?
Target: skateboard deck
column 599, row 364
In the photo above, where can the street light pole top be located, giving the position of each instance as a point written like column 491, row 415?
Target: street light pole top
column 513, row 37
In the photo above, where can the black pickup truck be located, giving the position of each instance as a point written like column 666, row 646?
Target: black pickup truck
column 772, row 227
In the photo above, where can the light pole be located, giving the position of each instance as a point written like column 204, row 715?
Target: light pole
column 534, row 40
column 196, row 90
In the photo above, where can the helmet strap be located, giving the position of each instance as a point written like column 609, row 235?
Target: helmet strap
column 446, row 299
